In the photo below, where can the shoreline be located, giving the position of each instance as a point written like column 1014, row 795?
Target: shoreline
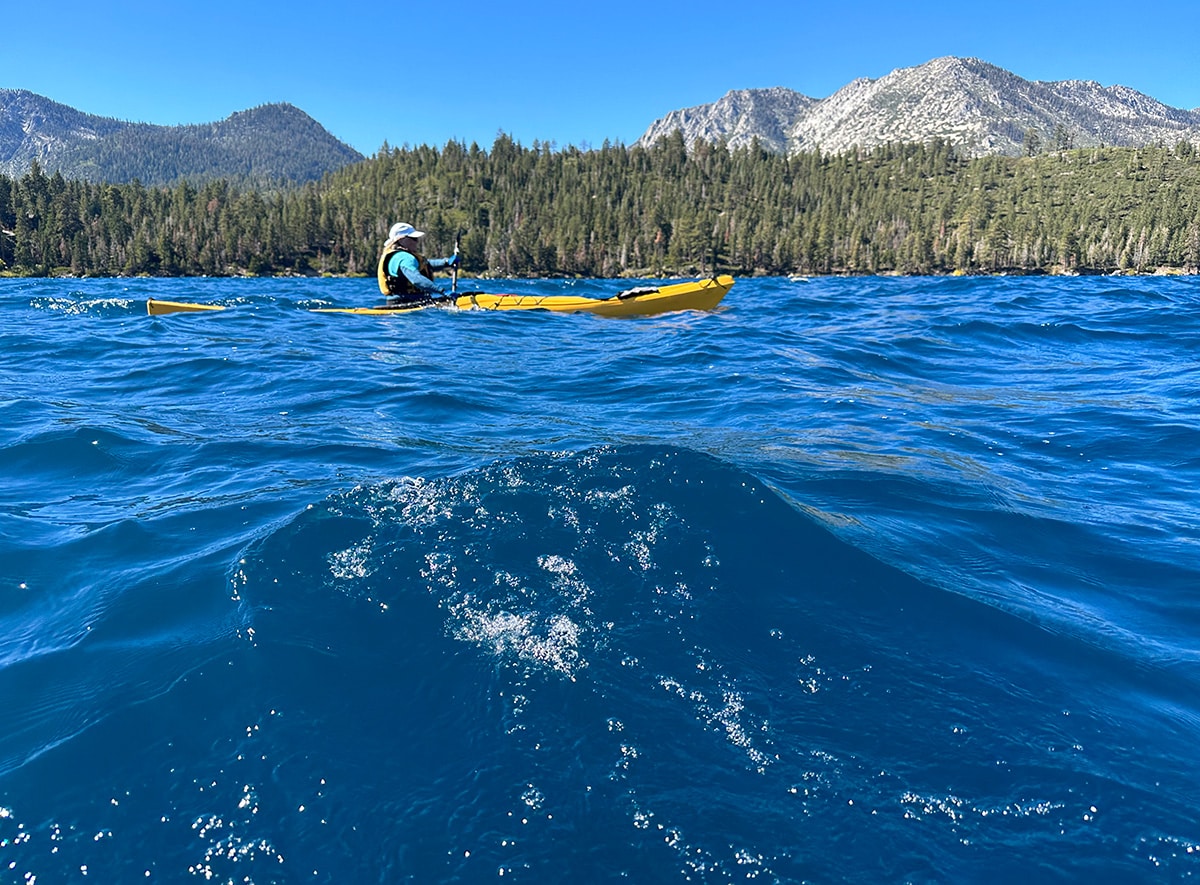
column 796, row 275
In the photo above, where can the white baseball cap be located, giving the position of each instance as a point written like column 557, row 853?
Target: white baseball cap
column 404, row 229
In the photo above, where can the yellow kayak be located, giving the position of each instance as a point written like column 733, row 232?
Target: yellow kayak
column 642, row 301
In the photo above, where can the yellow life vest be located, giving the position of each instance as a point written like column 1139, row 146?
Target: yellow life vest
column 400, row 285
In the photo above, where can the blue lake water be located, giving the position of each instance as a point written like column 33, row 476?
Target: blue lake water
column 848, row 580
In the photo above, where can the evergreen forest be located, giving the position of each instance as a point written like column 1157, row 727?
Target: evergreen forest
column 635, row 211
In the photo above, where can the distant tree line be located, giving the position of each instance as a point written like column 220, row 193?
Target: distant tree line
column 646, row 211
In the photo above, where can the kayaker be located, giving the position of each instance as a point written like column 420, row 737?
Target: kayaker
column 405, row 275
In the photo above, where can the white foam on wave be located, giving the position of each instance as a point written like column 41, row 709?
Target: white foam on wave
column 226, row 846
column 552, row 643
column 74, row 307
column 728, row 714
column 422, row 503
column 353, row 563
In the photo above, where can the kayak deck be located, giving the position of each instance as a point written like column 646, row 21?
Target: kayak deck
column 643, row 301
column 376, row 311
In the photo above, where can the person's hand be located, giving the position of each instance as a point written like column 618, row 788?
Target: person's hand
column 453, row 260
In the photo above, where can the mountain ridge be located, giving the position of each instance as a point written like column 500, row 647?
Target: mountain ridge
column 979, row 107
column 263, row 145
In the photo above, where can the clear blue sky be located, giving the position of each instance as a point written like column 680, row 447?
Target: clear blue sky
column 561, row 72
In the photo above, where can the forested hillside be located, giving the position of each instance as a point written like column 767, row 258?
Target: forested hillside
column 617, row 210
column 260, row 147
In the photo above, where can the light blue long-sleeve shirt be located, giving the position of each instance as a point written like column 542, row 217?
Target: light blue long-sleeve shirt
column 405, row 264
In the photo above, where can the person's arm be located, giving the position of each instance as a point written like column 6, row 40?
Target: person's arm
column 441, row 263
column 403, row 263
